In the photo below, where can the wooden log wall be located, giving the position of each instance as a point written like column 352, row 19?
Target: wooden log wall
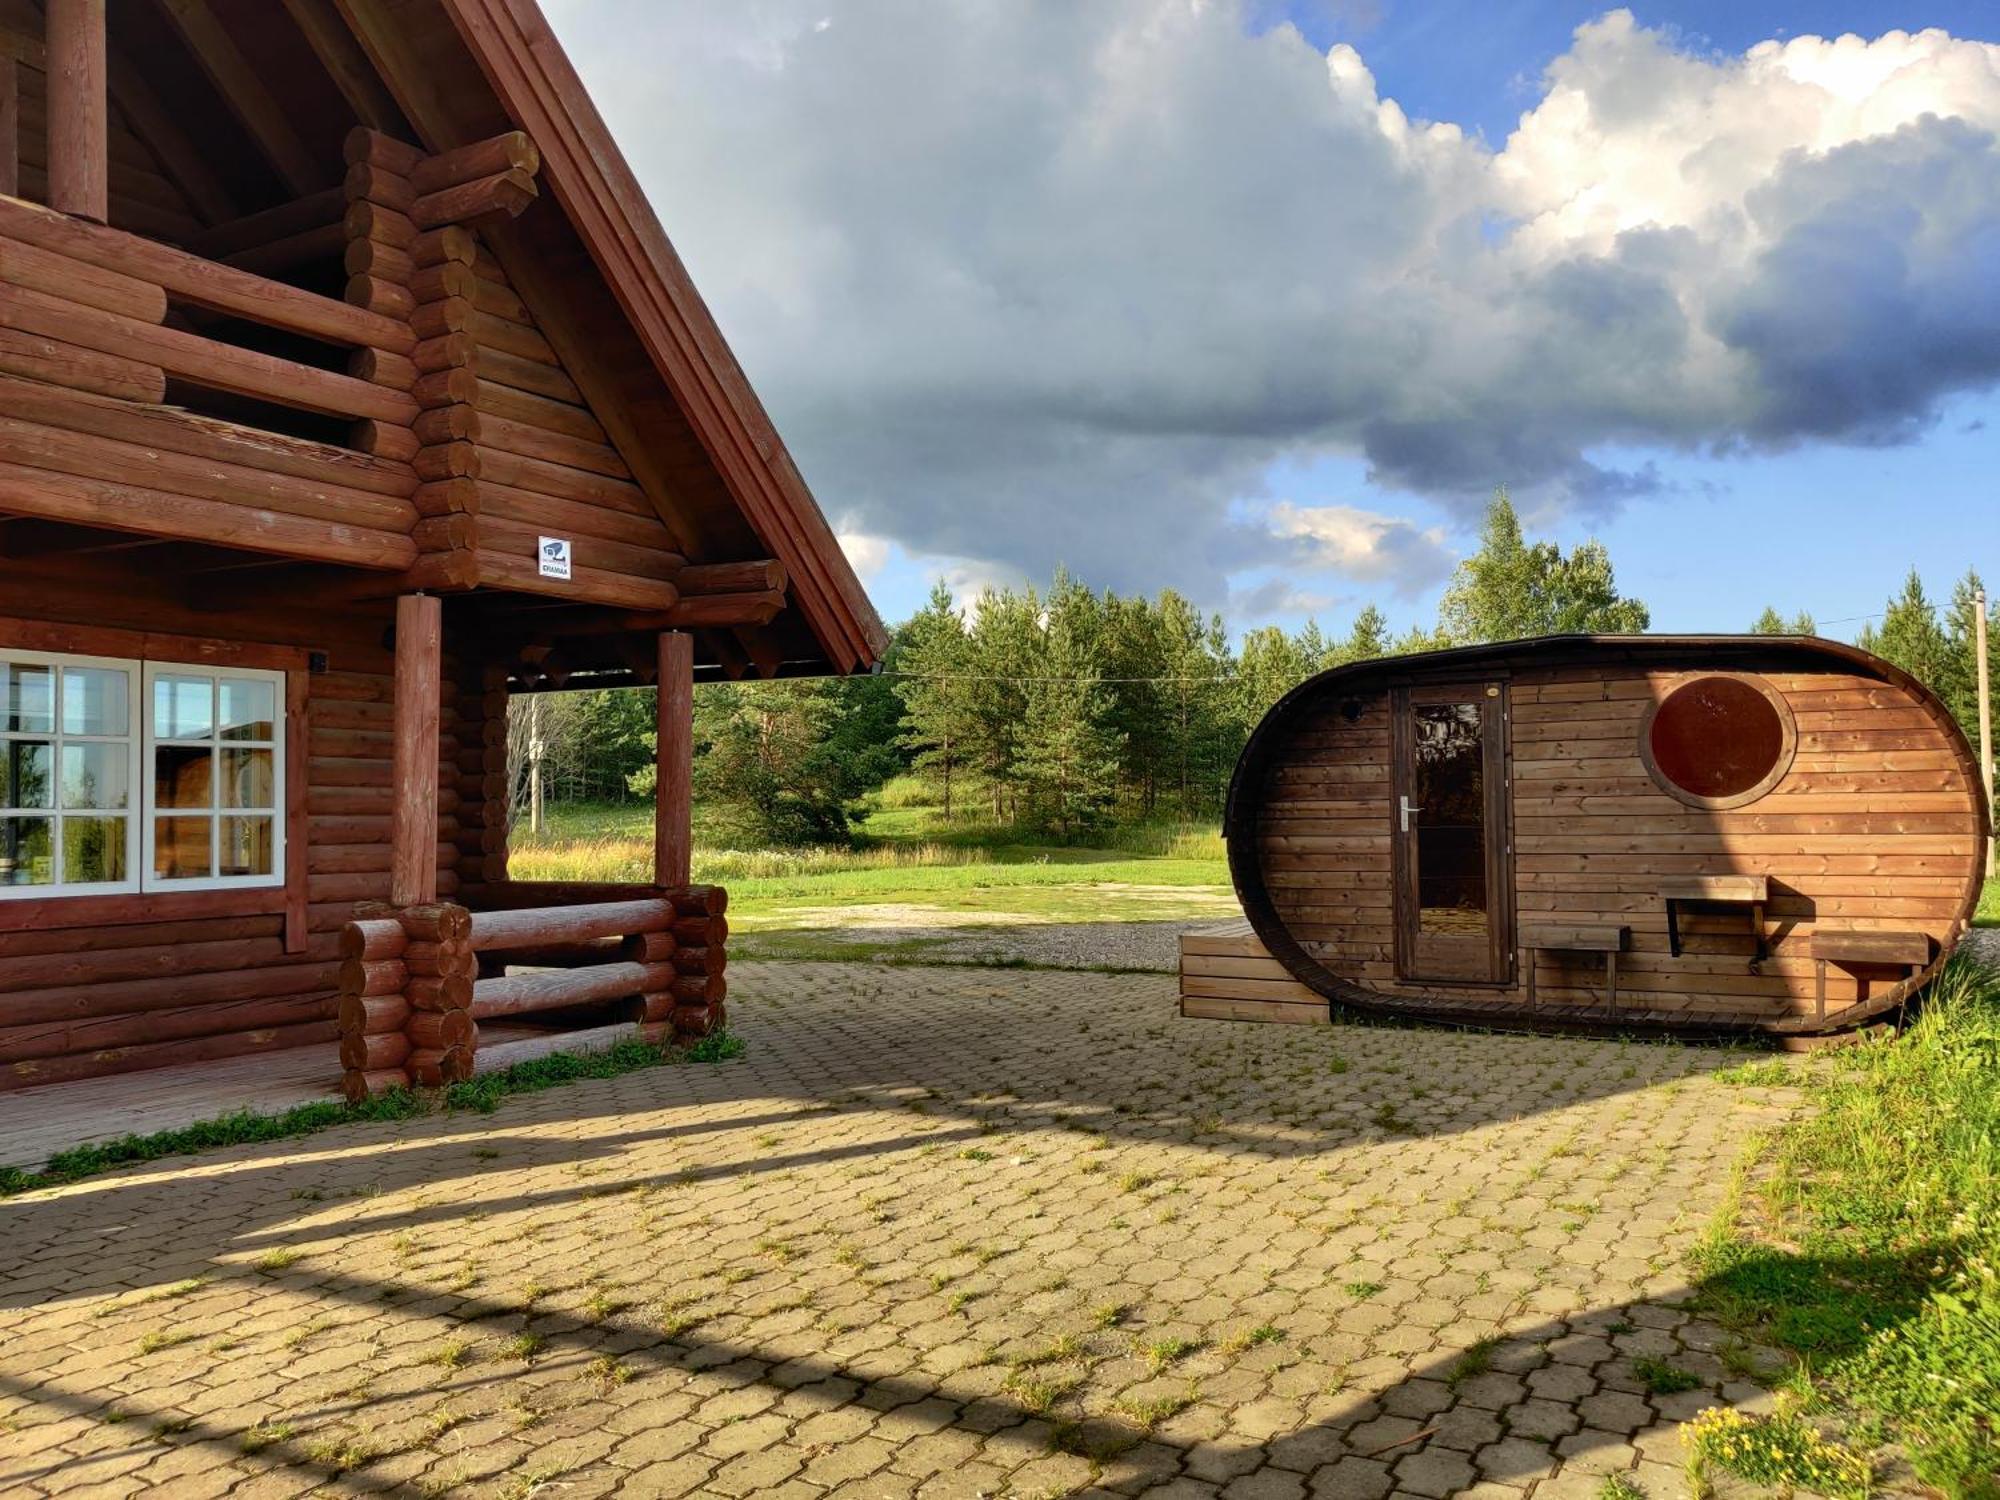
column 1873, row 826
column 128, row 983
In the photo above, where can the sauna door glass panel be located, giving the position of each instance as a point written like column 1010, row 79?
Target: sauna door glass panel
column 1450, row 909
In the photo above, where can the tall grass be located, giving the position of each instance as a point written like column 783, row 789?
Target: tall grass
column 1878, row 1260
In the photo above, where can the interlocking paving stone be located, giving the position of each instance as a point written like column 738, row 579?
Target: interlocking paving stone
column 939, row 1232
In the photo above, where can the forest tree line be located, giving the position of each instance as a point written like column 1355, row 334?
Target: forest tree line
column 1058, row 712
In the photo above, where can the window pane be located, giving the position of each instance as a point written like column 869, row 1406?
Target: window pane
column 249, row 710
column 246, row 847
column 93, row 850
column 183, row 707
column 182, row 776
column 95, row 701
column 24, row 774
column 26, row 856
column 248, row 779
column 27, row 698
column 96, row 776
column 180, row 848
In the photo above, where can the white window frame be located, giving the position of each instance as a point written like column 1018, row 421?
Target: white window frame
column 141, row 811
column 135, row 793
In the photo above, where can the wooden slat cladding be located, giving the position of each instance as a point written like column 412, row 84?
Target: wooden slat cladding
column 1876, row 825
column 88, row 996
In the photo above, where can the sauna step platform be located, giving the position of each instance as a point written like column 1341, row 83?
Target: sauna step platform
column 1226, row 975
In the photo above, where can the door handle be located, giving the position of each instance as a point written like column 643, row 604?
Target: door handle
column 1409, row 810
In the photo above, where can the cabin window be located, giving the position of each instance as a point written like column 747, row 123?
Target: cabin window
column 1719, row 740
column 120, row 776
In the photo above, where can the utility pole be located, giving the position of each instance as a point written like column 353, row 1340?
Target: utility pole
column 1985, row 708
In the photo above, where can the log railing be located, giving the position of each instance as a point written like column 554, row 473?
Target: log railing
column 417, row 983
column 103, row 316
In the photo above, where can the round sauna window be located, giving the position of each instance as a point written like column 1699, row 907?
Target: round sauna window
column 1718, row 741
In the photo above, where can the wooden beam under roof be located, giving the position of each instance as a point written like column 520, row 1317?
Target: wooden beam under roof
column 244, row 91
column 346, row 64
column 179, row 158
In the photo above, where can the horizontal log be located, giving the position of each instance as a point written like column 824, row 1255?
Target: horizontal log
column 701, row 930
column 519, row 994
column 649, row 1009
column 453, row 242
column 648, row 948
column 551, row 515
column 565, row 482
column 313, row 211
column 373, row 1013
column 510, row 151
column 442, row 922
column 38, row 357
column 497, row 1056
column 92, row 456
column 166, row 1054
column 431, row 1067
column 358, row 1086
column 520, row 539
column 440, row 992
column 379, row 367
column 80, row 996
column 568, row 924
column 499, row 367
column 202, row 361
column 23, row 1043
column 588, row 585
column 758, row 576
column 321, row 242
column 204, row 283
column 698, row 1020
column 75, row 281
column 366, row 979
column 527, row 441
column 370, row 1052
column 700, row 900
column 699, row 989
column 364, row 143
column 692, row 960
column 541, row 412
column 374, row 258
column 441, row 1030
column 370, row 182
column 507, row 192
column 520, row 895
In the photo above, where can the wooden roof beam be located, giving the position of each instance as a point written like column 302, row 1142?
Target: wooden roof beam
column 346, row 64
column 179, row 158
column 243, row 90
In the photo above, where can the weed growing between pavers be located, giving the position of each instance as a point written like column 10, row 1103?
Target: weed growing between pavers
column 1783, row 1451
column 481, row 1095
column 1872, row 1254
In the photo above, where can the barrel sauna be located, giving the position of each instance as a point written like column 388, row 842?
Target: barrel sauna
column 1688, row 834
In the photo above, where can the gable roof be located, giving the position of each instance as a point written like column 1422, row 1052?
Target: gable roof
column 606, row 281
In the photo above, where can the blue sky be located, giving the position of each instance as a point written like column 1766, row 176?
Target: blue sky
column 1827, row 528
column 1167, row 293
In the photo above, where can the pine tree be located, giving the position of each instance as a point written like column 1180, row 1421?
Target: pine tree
column 1511, row 588
column 1068, row 765
column 1772, row 623
column 931, row 656
column 1911, row 637
column 1958, row 679
column 1006, row 652
column 1368, row 639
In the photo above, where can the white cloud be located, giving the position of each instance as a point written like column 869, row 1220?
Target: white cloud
column 867, row 555
column 1363, row 545
column 1027, row 283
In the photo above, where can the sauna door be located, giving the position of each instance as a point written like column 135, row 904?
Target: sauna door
column 1448, row 822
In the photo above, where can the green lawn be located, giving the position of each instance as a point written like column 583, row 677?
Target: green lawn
column 1863, row 1240
column 909, row 860
column 1988, row 914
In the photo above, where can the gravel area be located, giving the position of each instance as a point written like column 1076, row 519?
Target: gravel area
column 1151, row 946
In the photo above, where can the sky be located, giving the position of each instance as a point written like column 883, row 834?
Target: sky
column 1259, row 299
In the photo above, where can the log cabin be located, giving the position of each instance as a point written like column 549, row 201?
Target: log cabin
column 349, row 388
column 1702, row 835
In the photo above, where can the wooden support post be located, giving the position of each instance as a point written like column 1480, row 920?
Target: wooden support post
column 413, row 828
column 78, row 115
column 673, row 812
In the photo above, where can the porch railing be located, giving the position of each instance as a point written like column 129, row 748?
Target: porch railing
column 418, row 984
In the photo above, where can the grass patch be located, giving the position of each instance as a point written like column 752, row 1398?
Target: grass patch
column 1663, row 1379
column 245, row 1127
column 1476, row 1360
column 1871, row 1252
column 1770, row 1073
column 1620, row 1487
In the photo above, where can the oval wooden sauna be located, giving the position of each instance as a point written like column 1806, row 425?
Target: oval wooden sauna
column 1693, row 834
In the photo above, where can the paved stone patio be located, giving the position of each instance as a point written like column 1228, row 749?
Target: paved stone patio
column 941, row 1232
